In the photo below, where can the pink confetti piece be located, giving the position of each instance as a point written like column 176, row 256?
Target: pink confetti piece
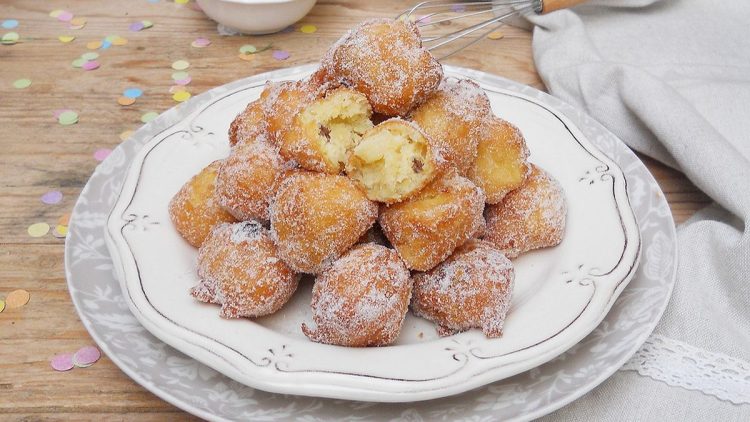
column 280, row 54
column 62, row 362
column 183, row 81
column 52, row 197
column 201, row 42
column 458, row 8
column 91, row 65
column 65, row 16
column 86, row 356
column 136, row 26
column 101, row 154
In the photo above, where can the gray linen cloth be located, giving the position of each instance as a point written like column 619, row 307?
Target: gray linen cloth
column 671, row 78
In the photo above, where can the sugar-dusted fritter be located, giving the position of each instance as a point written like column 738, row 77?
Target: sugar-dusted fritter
column 247, row 180
column 471, row 289
column 249, row 125
column 530, row 217
column 452, row 117
column 316, row 217
column 240, row 269
column 393, row 161
column 427, row 228
column 361, row 299
column 324, row 131
column 282, row 101
column 384, row 59
column 195, row 209
column 502, row 163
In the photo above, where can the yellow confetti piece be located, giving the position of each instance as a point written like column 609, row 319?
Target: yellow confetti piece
column 495, row 35
column 182, row 1
column 126, row 135
column 93, row 45
column 21, row 83
column 78, row 22
column 308, row 29
column 60, row 231
column 64, row 220
column 246, row 57
column 2, row 305
column 125, row 101
column 181, row 96
column 17, row 298
column 66, row 38
column 38, row 229
column 180, row 65
column 55, row 13
column 119, row 41
column 10, row 38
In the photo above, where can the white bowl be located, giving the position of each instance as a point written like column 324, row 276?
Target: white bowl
column 256, row 16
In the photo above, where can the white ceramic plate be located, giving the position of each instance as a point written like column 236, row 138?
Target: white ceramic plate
column 561, row 293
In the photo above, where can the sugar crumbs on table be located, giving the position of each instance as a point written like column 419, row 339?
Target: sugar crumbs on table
column 68, row 117
column 10, row 38
column 52, row 197
column 92, row 65
column 17, row 298
column 62, row 362
column 38, row 229
column 66, row 38
column 125, row 135
column 21, row 83
column 180, row 64
column 308, row 29
column 181, row 96
column 280, row 54
column 147, row 117
column 101, row 154
column 86, row 356
column 125, row 101
column 9, row 24
column 60, row 231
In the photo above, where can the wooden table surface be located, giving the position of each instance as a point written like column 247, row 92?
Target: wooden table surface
column 38, row 155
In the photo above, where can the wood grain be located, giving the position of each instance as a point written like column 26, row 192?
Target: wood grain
column 39, row 155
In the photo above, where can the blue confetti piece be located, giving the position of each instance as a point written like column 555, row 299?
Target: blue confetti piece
column 132, row 92
column 10, row 23
column 106, row 44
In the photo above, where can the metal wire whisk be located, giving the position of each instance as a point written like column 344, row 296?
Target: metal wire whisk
column 429, row 14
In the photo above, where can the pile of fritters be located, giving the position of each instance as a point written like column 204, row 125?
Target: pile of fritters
column 390, row 184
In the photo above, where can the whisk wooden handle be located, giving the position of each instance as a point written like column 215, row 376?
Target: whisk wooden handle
column 552, row 5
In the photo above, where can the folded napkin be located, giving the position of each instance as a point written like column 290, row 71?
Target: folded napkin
column 671, row 78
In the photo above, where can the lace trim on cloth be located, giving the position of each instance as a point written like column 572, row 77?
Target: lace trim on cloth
column 681, row 365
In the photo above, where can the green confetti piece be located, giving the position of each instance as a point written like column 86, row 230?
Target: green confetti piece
column 178, row 76
column 180, row 65
column 111, row 38
column 68, row 118
column 22, row 83
column 10, row 38
column 248, row 49
column 147, row 117
column 147, row 24
column 90, row 56
column 78, row 63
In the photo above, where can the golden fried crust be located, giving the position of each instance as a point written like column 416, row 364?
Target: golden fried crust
column 427, row 228
column 471, row 289
column 324, row 131
column 502, row 163
column 240, row 269
column 247, row 180
column 393, row 161
column 281, row 103
column 384, row 59
column 362, row 299
column 452, row 118
column 195, row 209
column 248, row 125
column 316, row 217
column 530, row 217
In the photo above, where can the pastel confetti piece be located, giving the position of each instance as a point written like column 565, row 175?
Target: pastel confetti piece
column 201, row 43
column 9, row 23
column 120, row 41
column 10, row 38
column 132, row 92
column 17, row 298
column 180, row 65
column 147, row 117
column 153, row 1
column 93, row 45
column 86, row 356
column 66, row 38
column 125, row 101
column 68, row 117
column 21, row 83
column 308, row 29
column 77, row 23
column 92, row 65
column 62, row 362
column 176, row 88
column 52, row 197
column 101, row 154
column 280, row 54
column 78, row 63
column 58, row 112
column 458, row 8
column 38, row 229
column 248, row 49
column 135, row 26
column 106, row 44
column 495, row 35
column 126, row 135
column 91, row 55
column 180, row 75
column 246, row 57
column 181, row 1
column 55, row 13
column 60, row 231
column 64, row 219
column 147, row 24
column 181, row 96
column 64, row 16
column 2, row 305
column 183, row 81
